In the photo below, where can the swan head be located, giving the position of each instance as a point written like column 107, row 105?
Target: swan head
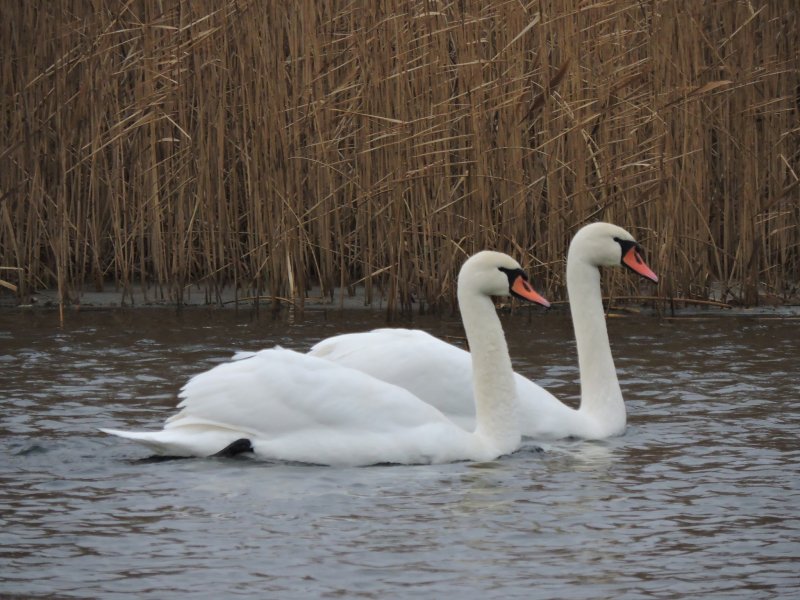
column 604, row 244
column 496, row 274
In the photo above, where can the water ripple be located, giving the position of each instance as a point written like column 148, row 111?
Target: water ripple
column 699, row 499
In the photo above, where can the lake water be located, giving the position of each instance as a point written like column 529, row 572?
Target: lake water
column 700, row 499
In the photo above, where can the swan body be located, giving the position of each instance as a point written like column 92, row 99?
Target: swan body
column 289, row 406
column 440, row 373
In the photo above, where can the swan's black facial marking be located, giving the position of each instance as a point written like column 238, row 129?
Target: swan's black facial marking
column 238, row 447
column 626, row 246
column 512, row 275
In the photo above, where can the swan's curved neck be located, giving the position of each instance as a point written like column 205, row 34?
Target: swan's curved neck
column 601, row 396
column 492, row 373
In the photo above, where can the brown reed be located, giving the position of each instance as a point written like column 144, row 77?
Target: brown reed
column 277, row 146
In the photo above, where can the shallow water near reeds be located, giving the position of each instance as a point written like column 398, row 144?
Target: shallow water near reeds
column 700, row 498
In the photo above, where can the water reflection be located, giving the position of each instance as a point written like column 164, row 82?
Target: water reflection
column 699, row 499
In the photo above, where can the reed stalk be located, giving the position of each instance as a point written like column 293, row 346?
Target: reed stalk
column 279, row 148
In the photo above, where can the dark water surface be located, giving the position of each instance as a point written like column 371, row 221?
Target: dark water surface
column 700, row 499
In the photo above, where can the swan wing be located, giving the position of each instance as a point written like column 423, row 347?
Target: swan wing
column 434, row 371
column 277, row 390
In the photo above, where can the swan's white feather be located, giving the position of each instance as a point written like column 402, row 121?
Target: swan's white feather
column 296, row 407
column 441, row 375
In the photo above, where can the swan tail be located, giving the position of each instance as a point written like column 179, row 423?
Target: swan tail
column 184, row 442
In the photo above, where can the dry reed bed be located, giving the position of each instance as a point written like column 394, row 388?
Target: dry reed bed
column 275, row 145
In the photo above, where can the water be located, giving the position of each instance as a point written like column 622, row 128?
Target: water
column 699, row 499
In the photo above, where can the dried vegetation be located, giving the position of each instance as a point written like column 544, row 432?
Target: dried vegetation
column 275, row 146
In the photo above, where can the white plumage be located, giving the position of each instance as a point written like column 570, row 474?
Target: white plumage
column 296, row 407
column 441, row 374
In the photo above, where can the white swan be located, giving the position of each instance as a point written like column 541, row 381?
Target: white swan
column 440, row 373
column 284, row 405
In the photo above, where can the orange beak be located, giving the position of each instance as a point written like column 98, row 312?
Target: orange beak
column 634, row 261
column 522, row 289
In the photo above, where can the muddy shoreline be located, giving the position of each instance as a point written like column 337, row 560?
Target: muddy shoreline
column 228, row 299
